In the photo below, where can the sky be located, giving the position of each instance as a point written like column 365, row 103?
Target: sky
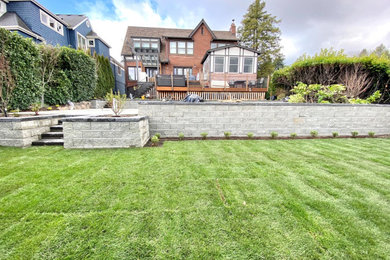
column 307, row 25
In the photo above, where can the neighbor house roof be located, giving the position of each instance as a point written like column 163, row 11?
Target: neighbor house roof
column 12, row 21
column 73, row 20
column 93, row 35
column 227, row 47
column 163, row 34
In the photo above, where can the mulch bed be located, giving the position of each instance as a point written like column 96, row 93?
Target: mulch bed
column 176, row 139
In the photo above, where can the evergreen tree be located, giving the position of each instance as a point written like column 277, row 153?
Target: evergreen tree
column 259, row 31
column 105, row 80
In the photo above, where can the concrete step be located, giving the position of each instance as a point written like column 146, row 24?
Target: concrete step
column 46, row 142
column 52, row 135
column 56, row 128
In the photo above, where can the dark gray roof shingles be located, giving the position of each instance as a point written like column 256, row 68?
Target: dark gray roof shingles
column 72, row 19
column 12, row 19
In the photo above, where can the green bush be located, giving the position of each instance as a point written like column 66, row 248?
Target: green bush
column 335, row 134
column 227, row 135
column 274, row 135
column 204, row 135
column 314, row 133
column 24, row 57
column 354, row 133
column 331, row 67
column 105, row 77
column 59, row 90
column 80, row 69
column 371, row 134
column 181, row 136
column 250, row 135
column 155, row 140
column 293, row 135
column 158, row 135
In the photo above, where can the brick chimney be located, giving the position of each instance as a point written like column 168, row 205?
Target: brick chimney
column 233, row 28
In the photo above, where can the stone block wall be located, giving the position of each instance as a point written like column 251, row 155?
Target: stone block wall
column 101, row 132
column 21, row 132
column 262, row 118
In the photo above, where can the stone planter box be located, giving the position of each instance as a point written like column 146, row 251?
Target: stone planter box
column 22, row 131
column 105, row 132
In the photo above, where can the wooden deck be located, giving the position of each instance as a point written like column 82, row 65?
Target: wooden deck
column 200, row 89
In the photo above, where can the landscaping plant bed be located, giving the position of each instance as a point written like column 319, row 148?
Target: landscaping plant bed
column 162, row 139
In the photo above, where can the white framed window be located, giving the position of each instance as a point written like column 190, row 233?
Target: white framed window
column 91, row 43
column 233, row 64
column 219, row 64
column 51, row 23
column 183, row 48
column 3, row 8
column 81, row 42
column 248, row 65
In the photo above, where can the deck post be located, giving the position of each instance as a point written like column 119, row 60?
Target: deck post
column 246, row 87
column 172, row 80
column 188, row 82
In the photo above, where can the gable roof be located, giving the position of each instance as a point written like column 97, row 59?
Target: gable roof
column 228, row 47
column 93, row 35
column 199, row 25
column 12, row 21
column 43, row 8
column 164, row 33
column 73, row 20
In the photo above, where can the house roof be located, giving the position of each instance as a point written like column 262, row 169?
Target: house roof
column 73, row 20
column 227, row 47
column 199, row 25
column 163, row 34
column 12, row 21
column 43, row 8
column 114, row 61
column 93, row 35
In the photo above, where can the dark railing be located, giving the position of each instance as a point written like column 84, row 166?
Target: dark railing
column 166, row 80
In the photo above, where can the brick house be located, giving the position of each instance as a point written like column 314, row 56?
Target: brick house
column 32, row 20
column 182, row 57
column 167, row 51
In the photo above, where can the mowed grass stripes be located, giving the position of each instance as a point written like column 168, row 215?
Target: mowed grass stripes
column 325, row 199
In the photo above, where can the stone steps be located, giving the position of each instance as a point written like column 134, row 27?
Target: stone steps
column 53, row 138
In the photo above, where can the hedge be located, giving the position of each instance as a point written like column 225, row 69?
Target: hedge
column 80, row 69
column 328, row 68
column 23, row 56
column 105, row 80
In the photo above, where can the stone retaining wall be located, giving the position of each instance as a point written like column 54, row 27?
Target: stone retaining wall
column 22, row 131
column 102, row 132
column 262, row 118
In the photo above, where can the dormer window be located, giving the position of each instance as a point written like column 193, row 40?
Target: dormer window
column 91, row 43
column 145, row 44
column 51, row 23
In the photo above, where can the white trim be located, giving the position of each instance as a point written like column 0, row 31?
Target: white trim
column 91, row 45
column 3, row 4
column 18, row 28
column 77, row 40
column 58, row 27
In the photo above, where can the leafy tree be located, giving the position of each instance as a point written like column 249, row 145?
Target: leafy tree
column 380, row 51
column 49, row 60
column 259, row 31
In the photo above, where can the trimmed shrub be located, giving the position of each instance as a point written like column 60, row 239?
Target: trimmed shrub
column 105, row 77
column 371, row 134
column 181, row 136
column 250, row 135
column 80, row 69
column 293, row 135
column 23, row 56
column 59, row 90
column 314, row 133
column 158, row 135
column 354, row 133
column 274, row 135
column 204, row 135
column 335, row 134
column 227, row 135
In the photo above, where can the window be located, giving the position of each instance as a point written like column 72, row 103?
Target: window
column 91, row 43
column 3, row 8
column 145, row 44
column 233, row 64
column 119, row 71
column 181, row 48
column 81, row 42
column 182, row 71
column 51, row 23
column 217, row 45
column 132, row 73
column 248, row 65
column 219, row 64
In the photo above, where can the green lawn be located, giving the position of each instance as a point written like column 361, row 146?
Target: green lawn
column 198, row 200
